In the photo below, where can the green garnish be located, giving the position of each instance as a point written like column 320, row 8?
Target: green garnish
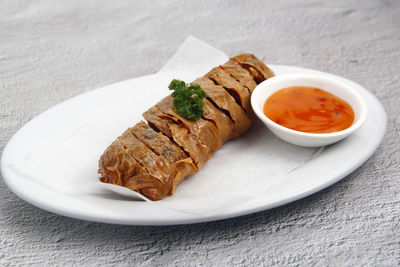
column 188, row 99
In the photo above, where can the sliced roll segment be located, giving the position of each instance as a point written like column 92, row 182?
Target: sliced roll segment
column 204, row 130
column 223, row 122
column 118, row 167
column 225, row 102
column 158, row 142
column 180, row 134
column 241, row 74
column 256, row 67
column 163, row 146
column 240, row 93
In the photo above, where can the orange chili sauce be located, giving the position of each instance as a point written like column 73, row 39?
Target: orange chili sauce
column 309, row 109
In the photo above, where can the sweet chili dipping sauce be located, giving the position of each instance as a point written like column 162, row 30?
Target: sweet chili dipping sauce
column 309, row 109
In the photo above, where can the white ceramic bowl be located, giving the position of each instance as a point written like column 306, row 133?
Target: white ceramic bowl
column 331, row 85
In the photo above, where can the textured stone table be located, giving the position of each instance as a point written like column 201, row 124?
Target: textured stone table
column 51, row 51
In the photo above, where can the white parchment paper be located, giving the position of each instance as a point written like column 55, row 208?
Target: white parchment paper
column 238, row 172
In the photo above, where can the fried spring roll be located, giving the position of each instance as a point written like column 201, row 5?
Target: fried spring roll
column 154, row 158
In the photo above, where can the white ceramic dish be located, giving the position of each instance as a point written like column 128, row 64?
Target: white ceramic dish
column 329, row 166
column 325, row 82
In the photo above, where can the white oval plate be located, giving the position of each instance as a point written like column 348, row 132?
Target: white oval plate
column 51, row 162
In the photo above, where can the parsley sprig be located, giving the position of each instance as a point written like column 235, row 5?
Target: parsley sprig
column 187, row 99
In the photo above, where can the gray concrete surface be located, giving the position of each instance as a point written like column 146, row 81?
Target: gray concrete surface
column 53, row 50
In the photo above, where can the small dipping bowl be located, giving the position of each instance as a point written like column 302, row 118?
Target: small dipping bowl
column 336, row 87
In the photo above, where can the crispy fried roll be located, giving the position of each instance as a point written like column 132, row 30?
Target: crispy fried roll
column 153, row 158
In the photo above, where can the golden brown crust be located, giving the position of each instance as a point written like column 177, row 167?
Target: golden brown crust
column 180, row 134
column 118, row 167
column 236, row 89
column 203, row 130
column 241, row 74
column 222, row 122
column 225, row 102
column 166, row 148
column 158, row 142
column 256, row 67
